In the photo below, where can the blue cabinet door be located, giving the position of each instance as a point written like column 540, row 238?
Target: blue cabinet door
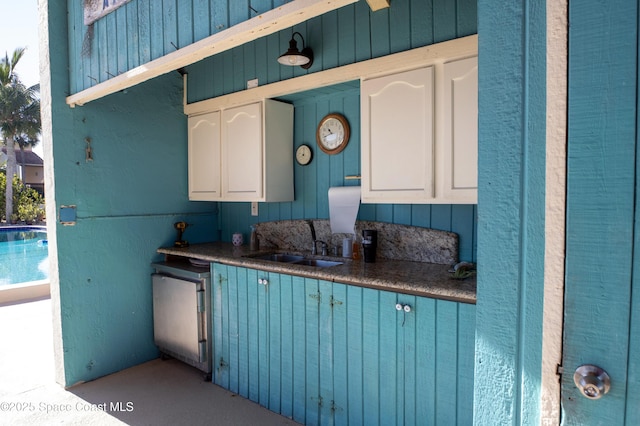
column 265, row 335
column 415, row 365
column 329, row 353
column 241, row 331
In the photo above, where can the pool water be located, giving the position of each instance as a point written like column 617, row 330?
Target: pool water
column 24, row 255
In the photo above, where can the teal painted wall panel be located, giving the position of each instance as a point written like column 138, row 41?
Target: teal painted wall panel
column 201, row 22
column 340, row 311
column 127, row 199
column 144, row 30
column 350, row 34
column 144, row 27
column 511, row 142
column 106, row 301
column 299, row 348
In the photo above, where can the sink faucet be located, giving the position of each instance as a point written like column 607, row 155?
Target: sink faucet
column 324, row 246
column 313, row 230
column 314, row 249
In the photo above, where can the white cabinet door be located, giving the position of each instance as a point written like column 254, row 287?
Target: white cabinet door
column 278, row 151
column 242, row 145
column 204, row 157
column 397, row 137
column 457, row 147
column 243, row 153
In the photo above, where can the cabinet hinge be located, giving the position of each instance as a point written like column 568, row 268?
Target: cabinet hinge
column 559, row 370
column 202, row 350
column 223, row 363
column 201, row 305
column 333, row 301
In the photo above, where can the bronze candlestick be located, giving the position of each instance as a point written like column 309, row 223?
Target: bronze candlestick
column 181, row 226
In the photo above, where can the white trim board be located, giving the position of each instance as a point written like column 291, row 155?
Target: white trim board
column 269, row 22
column 555, row 211
column 397, row 62
column 378, row 4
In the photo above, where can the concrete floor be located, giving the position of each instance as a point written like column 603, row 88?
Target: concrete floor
column 155, row 393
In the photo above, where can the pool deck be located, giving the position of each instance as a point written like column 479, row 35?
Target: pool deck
column 154, row 393
column 15, row 293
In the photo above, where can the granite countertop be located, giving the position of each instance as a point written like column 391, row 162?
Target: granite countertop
column 418, row 278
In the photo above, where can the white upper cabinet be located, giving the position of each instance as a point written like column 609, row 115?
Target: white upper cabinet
column 457, row 156
column 253, row 159
column 204, row 157
column 242, row 153
column 397, row 137
column 419, row 135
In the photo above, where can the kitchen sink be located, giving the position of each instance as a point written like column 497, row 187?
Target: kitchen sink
column 295, row 259
column 280, row 257
column 317, row 262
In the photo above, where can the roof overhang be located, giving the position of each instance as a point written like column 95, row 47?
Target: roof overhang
column 262, row 25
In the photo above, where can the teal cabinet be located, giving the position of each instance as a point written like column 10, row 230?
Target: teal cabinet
column 330, row 353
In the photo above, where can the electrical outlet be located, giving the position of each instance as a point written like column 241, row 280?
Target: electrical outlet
column 254, row 208
column 252, row 83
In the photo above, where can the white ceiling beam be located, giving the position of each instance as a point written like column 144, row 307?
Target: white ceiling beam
column 267, row 23
column 378, row 4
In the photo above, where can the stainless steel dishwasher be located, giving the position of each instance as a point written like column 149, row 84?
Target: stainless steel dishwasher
column 182, row 312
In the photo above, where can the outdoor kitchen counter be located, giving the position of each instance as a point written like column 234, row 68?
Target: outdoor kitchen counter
column 417, row 278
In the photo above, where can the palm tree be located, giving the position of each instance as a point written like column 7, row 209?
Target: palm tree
column 19, row 117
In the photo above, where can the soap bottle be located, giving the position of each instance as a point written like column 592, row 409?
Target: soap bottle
column 254, row 242
column 355, row 248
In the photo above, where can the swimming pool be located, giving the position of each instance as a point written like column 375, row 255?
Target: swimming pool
column 24, row 255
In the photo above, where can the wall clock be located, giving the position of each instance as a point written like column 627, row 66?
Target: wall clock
column 333, row 133
column 304, row 155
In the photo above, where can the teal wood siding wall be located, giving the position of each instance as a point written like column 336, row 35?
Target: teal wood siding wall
column 329, row 353
column 350, row 34
column 144, row 30
column 602, row 212
column 511, row 203
column 127, row 200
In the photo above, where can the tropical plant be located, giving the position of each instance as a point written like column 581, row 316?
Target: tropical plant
column 28, row 203
column 20, row 122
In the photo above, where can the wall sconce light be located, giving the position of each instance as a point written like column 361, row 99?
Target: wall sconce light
column 293, row 57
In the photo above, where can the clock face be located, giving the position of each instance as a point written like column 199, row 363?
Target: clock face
column 304, row 155
column 333, row 133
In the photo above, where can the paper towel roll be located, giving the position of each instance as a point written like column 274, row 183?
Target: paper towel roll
column 344, row 202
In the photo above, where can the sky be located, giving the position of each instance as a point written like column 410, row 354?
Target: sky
column 19, row 28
